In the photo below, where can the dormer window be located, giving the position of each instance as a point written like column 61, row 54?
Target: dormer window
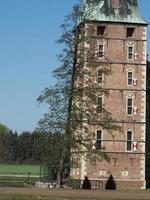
column 130, row 32
column 100, row 30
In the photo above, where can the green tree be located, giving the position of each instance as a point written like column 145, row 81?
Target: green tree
column 39, row 147
column 11, row 147
column 59, row 97
column 4, row 132
column 70, row 99
column 24, row 153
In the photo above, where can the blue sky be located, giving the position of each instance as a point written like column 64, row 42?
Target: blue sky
column 28, row 33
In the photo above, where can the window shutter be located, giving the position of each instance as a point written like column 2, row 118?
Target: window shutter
column 135, row 146
column 78, row 60
column 93, row 145
column 94, row 80
column 96, row 54
column 136, row 56
column 95, row 106
column 135, row 82
column 77, row 85
column 135, row 111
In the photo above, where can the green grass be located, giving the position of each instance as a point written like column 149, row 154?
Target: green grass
column 10, row 169
column 19, row 169
column 17, row 175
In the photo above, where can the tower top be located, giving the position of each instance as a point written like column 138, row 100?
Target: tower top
column 113, row 11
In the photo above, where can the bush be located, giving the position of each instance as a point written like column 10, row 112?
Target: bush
column 69, row 181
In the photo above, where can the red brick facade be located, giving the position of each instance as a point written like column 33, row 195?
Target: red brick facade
column 127, row 166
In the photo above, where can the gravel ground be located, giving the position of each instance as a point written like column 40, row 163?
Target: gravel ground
column 79, row 194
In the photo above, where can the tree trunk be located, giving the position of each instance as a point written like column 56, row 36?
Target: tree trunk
column 68, row 132
column 60, row 169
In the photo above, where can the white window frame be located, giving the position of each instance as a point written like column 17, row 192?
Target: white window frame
column 132, row 52
column 101, row 77
column 75, row 162
column 98, row 104
column 128, row 106
column 103, row 51
column 101, row 140
column 126, row 146
column 128, row 78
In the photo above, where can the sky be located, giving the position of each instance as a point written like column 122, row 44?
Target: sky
column 28, row 54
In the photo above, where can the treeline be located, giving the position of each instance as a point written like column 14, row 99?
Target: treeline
column 29, row 147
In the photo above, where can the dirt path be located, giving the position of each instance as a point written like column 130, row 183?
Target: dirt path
column 66, row 193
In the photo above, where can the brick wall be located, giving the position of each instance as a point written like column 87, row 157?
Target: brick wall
column 127, row 168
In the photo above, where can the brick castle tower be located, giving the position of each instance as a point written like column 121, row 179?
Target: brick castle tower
column 119, row 34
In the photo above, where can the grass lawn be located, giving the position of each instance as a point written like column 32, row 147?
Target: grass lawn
column 6, row 169
column 12, row 175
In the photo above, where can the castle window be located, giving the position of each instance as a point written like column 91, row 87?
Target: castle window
column 130, row 32
column 99, row 76
column 129, row 106
column 129, row 141
column 100, row 104
column 100, row 30
column 75, row 162
column 98, row 139
column 130, row 53
column 101, row 51
column 130, row 78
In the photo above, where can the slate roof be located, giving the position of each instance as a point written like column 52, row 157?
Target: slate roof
column 104, row 10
